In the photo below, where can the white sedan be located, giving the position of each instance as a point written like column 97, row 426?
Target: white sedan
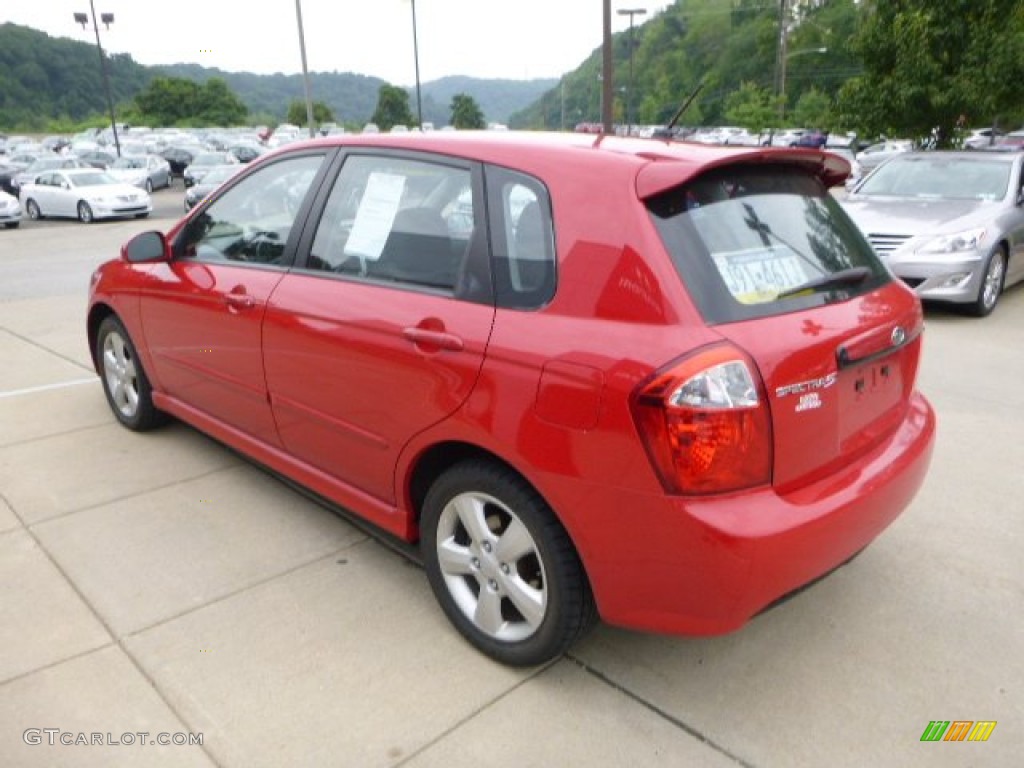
column 10, row 211
column 84, row 194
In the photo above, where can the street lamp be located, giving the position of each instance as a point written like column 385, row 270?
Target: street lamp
column 416, row 58
column 107, row 19
column 631, row 12
column 305, row 70
column 782, row 74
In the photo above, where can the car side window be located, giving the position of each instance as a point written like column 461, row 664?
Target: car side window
column 396, row 220
column 522, row 239
column 252, row 221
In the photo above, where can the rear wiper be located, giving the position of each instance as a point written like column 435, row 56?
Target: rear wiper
column 850, row 276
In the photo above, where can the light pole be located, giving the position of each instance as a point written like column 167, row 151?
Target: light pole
column 606, row 67
column 416, row 57
column 305, row 71
column 631, row 12
column 107, row 19
column 782, row 75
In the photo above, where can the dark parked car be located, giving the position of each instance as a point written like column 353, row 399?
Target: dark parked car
column 657, row 383
column 816, row 139
column 203, row 162
column 245, row 153
column 97, row 158
column 179, row 158
column 211, row 181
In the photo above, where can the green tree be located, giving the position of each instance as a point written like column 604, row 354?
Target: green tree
column 931, row 67
column 167, row 100
column 466, row 112
column 751, row 107
column 814, row 110
column 175, row 100
column 392, row 108
column 218, row 105
column 321, row 113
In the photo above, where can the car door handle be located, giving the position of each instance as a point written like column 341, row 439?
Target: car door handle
column 429, row 338
column 239, row 300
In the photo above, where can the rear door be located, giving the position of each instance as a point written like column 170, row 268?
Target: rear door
column 381, row 331
column 775, row 265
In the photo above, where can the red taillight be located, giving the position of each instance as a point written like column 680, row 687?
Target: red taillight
column 705, row 423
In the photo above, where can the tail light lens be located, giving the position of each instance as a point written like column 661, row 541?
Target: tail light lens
column 705, row 423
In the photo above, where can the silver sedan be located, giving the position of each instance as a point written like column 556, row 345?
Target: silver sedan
column 949, row 224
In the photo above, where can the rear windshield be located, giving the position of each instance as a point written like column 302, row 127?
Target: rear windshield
column 752, row 242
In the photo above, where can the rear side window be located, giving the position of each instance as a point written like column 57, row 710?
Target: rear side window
column 396, row 220
column 752, row 242
column 522, row 239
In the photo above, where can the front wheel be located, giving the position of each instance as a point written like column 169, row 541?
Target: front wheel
column 32, row 209
column 84, row 212
column 124, row 381
column 501, row 565
column 991, row 285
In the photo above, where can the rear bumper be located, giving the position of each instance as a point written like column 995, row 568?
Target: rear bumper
column 706, row 566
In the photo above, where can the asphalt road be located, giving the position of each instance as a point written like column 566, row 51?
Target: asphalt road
column 158, row 583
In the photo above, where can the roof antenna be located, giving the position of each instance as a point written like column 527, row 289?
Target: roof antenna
column 666, row 132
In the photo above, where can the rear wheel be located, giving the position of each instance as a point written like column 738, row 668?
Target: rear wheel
column 124, row 381
column 32, row 209
column 84, row 212
column 501, row 565
column 992, row 284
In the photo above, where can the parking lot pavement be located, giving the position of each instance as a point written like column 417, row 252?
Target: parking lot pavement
column 159, row 584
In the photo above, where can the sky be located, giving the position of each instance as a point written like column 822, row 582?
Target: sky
column 513, row 39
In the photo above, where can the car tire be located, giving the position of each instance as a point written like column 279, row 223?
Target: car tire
column 991, row 285
column 84, row 212
column 142, row 215
column 149, row 186
column 522, row 609
column 32, row 209
column 125, row 383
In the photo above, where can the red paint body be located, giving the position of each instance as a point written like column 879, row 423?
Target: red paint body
column 346, row 386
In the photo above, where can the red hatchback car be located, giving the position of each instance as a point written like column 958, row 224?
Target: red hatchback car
column 659, row 383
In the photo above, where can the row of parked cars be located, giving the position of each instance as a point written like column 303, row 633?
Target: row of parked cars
column 83, row 177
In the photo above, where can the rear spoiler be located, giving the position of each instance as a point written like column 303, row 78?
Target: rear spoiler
column 669, row 170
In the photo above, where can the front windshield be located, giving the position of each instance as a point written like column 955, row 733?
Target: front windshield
column 91, row 179
column 940, row 178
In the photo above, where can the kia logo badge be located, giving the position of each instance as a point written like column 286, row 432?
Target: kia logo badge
column 898, row 336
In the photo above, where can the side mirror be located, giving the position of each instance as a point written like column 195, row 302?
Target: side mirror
column 145, row 247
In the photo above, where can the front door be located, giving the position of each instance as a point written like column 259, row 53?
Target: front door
column 203, row 312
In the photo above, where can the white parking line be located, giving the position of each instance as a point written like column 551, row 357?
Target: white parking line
column 47, row 387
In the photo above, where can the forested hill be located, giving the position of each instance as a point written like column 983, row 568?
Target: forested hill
column 45, row 79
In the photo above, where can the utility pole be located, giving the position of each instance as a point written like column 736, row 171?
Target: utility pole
column 305, row 70
column 607, row 75
column 780, row 58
